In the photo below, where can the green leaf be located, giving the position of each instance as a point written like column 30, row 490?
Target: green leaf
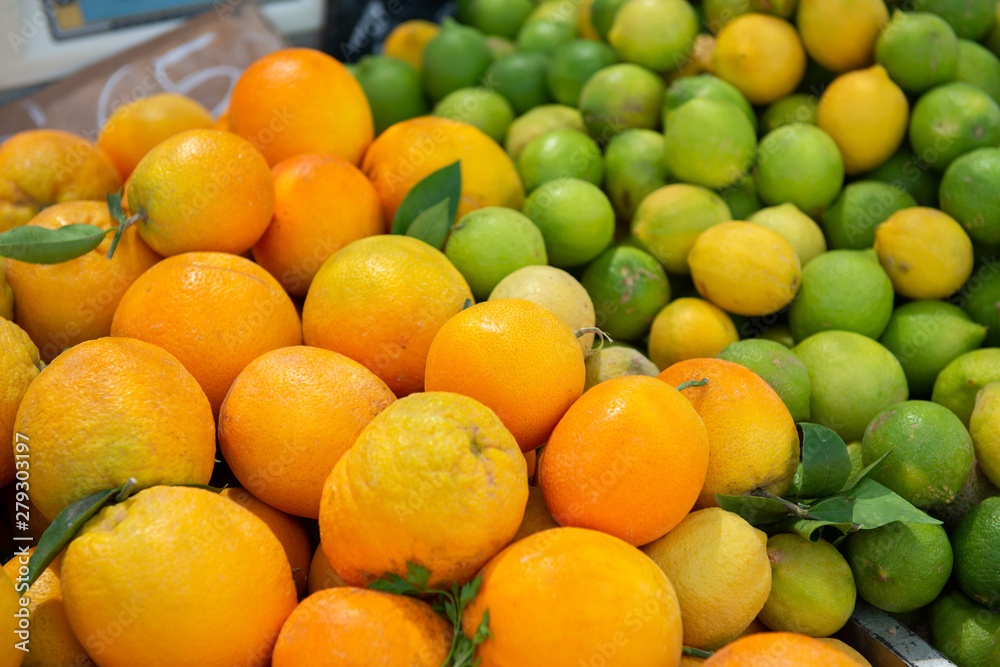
column 393, row 583
column 812, row 530
column 758, row 510
column 418, row 575
column 445, row 183
column 65, row 527
column 39, row 245
column 875, row 506
column 432, row 226
column 825, row 464
column 467, row 304
column 867, row 472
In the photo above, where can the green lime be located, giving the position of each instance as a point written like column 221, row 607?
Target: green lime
column 853, row 379
column 795, row 108
column 918, row 50
column 971, row 19
column 801, row 164
column 992, row 39
column 616, row 361
column 741, row 198
column 969, row 193
column 545, row 36
column 602, row 15
column 500, row 47
column 669, row 220
column 842, row 289
column 779, row 332
column 560, row 154
column 979, row 66
column 812, row 588
column 720, row 12
column 979, row 298
column 454, row 58
column 488, row 244
column 620, row 97
column 393, row 89
column 959, row 382
column 779, row 367
column 901, row 566
column 704, row 85
column 520, row 78
column 798, row 229
column 575, row 218
column 553, row 10
column 572, row 64
column 925, row 336
column 962, row 630
column 906, row 171
column 709, row 142
column 489, row 111
column 539, row 121
column 977, row 489
column 862, row 206
column 931, row 452
column 977, row 553
column 628, row 288
column 634, row 165
column 495, row 17
column 657, row 34
column 951, row 120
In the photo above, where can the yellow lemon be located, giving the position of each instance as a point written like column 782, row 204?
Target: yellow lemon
column 761, row 55
column 689, row 328
column 408, row 39
column 926, row 253
column 798, row 229
column 840, row 34
column 984, row 427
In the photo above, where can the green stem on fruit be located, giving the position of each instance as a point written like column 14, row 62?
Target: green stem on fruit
column 696, row 653
column 128, row 222
column 126, row 490
column 692, row 383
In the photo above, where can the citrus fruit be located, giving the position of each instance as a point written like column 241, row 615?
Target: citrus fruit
column 779, row 649
column 572, row 64
column 488, row 110
column 709, row 142
column 545, row 36
column 669, row 220
column 500, row 46
column 6, row 298
column 983, row 429
column 602, row 16
column 393, row 88
column 295, row 101
column 958, row 383
column 634, row 165
column 977, row 542
column 495, row 17
column 575, row 218
column 689, row 328
column 804, row 235
column 906, row 171
column 801, row 164
column 952, row 120
column 321, row 573
column 215, row 312
column 840, row 35
column 745, row 268
column 10, row 606
column 521, row 78
column 979, row 66
column 538, row 121
column 367, row 304
column 926, row 253
column 540, row 615
column 965, row 193
column 617, row 361
column 379, row 513
column 657, row 34
column 552, row 10
column 488, row 244
column 741, row 198
column 620, row 97
column 408, row 39
column 962, row 630
column 628, row 288
column 976, row 489
column 779, row 367
column 691, row 87
column 845, row 648
column 75, row 412
column 602, row 461
column 717, row 13
column 717, row 563
column 979, row 297
column 560, row 154
column 515, row 357
column 454, row 58
column 853, row 379
column 761, row 55
column 860, row 207
column 971, row 19
column 919, row 50
column 794, row 108
column 20, row 364
column 812, row 588
column 141, row 566
column 134, row 128
column 583, row 23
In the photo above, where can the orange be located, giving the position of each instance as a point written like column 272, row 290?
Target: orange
column 39, row 168
column 321, row 203
column 531, row 458
column 355, row 626
column 435, row 479
column 752, row 437
column 408, row 39
column 380, row 301
column 296, row 101
column 409, row 151
column 134, row 128
column 19, row 366
column 60, row 305
column 321, row 573
column 570, row 596
column 202, row 190
column 110, row 409
column 629, row 458
column 516, row 358
column 222, row 122
column 177, row 576
column 779, row 649
column 10, row 654
column 215, row 312
column 289, row 530
column 284, row 461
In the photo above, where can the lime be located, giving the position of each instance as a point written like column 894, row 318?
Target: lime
column 951, row 120
column 931, row 452
column 901, row 566
column 812, row 588
column 500, row 47
column 741, row 198
column 959, row 382
column 545, row 36
column 906, row 171
column 709, row 142
column 977, row 553
column 488, row 244
column 794, row 108
column 720, row 12
column 845, row 290
column 962, row 630
column 801, row 164
column 617, row 361
column 657, row 34
column 862, row 206
column 537, row 122
column 554, row 289
column 602, row 15
column 553, row 10
column 620, row 97
column 455, row 58
column 628, row 287
column 560, row 154
column 979, row 66
column 575, row 218
column 689, row 328
column 979, row 298
column 669, row 220
column 919, row 50
column 572, row 64
column 495, row 17
column 853, row 379
column 393, row 89
column 984, row 427
column 969, row 193
column 520, row 78
column 779, row 367
column 488, row 110
column 705, row 85
column 634, row 165
column 971, row 19
column 992, row 39
column 779, row 333
column 976, row 489
column 925, row 336
column 798, row 229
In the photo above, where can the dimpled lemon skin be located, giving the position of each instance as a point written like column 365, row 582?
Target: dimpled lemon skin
column 926, row 253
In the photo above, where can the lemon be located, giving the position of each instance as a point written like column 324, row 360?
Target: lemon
column 617, row 361
column 801, row 164
column 689, row 328
column 952, row 120
column 628, row 288
column 862, row 206
column 657, row 34
column 408, row 39
column 984, row 426
column 745, row 268
column 799, row 230
column 560, row 154
column 926, row 253
column 919, row 50
column 634, row 165
column 620, row 97
column 958, row 383
column 795, row 108
column 709, row 142
column 761, row 55
column 483, row 108
column 840, row 34
column 866, row 114
column 669, row 220
column 537, row 122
